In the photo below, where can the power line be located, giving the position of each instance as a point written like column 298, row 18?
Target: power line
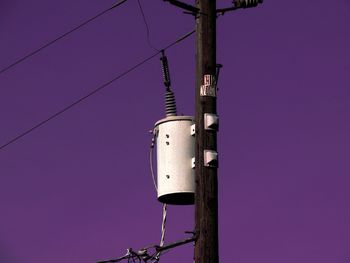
column 93, row 92
column 32, row 53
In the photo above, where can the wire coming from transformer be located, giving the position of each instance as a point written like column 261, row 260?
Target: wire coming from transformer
column 151, row 158
column 162, row 239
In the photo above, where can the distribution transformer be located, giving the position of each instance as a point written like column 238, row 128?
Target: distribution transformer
column 175, row 160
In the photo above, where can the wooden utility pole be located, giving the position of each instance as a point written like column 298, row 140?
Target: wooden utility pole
column 206, row 159
column 206, row 236
column 206, row 197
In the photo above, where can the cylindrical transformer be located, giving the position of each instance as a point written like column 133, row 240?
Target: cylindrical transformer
column 175, row 160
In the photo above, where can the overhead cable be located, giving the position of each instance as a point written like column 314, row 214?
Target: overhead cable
column 93, row 92
column 32, row 53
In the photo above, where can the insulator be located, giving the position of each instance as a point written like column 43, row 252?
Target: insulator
column 170, row 104
column 165, row 70
column 246, row 3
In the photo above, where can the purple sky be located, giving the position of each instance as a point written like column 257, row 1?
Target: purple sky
column 79, row 190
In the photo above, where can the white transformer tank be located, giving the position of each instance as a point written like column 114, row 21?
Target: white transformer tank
column 175, row 160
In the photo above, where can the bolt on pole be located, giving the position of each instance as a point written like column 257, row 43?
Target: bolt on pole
column 206, row 196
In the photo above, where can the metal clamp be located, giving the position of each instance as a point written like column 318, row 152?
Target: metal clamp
column 211, row 159
column 211, row 122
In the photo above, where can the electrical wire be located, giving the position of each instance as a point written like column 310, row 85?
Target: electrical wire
column 164, row 218
column 32, row 53
column 93, row 92
column 151, row 159
column 162, row 239
column 163, row 225
column 146, row 25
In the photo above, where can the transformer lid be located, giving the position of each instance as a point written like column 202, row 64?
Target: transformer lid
column 174, row 118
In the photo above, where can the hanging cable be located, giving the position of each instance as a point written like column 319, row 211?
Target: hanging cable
column 93, row 92
column 151, row 158
column 146, row 25
column 162, row 238
column 32, row 53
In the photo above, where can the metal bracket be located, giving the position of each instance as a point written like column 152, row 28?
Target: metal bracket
column 222, row 11
column 190, row 8
column 193, row 163
column 211, row 122
column 211, row 159
column 193, row 129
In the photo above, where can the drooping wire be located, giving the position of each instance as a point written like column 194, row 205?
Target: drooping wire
column 146, row 25
column 164, row 218
column 154, row 134
column 32, row 53
column 93, row 92
column 162, row 238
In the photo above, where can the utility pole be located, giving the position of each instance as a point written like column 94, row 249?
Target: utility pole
column 206, row 235
column 206, row 196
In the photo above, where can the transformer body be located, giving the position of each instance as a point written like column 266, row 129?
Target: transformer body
column 175, row 154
